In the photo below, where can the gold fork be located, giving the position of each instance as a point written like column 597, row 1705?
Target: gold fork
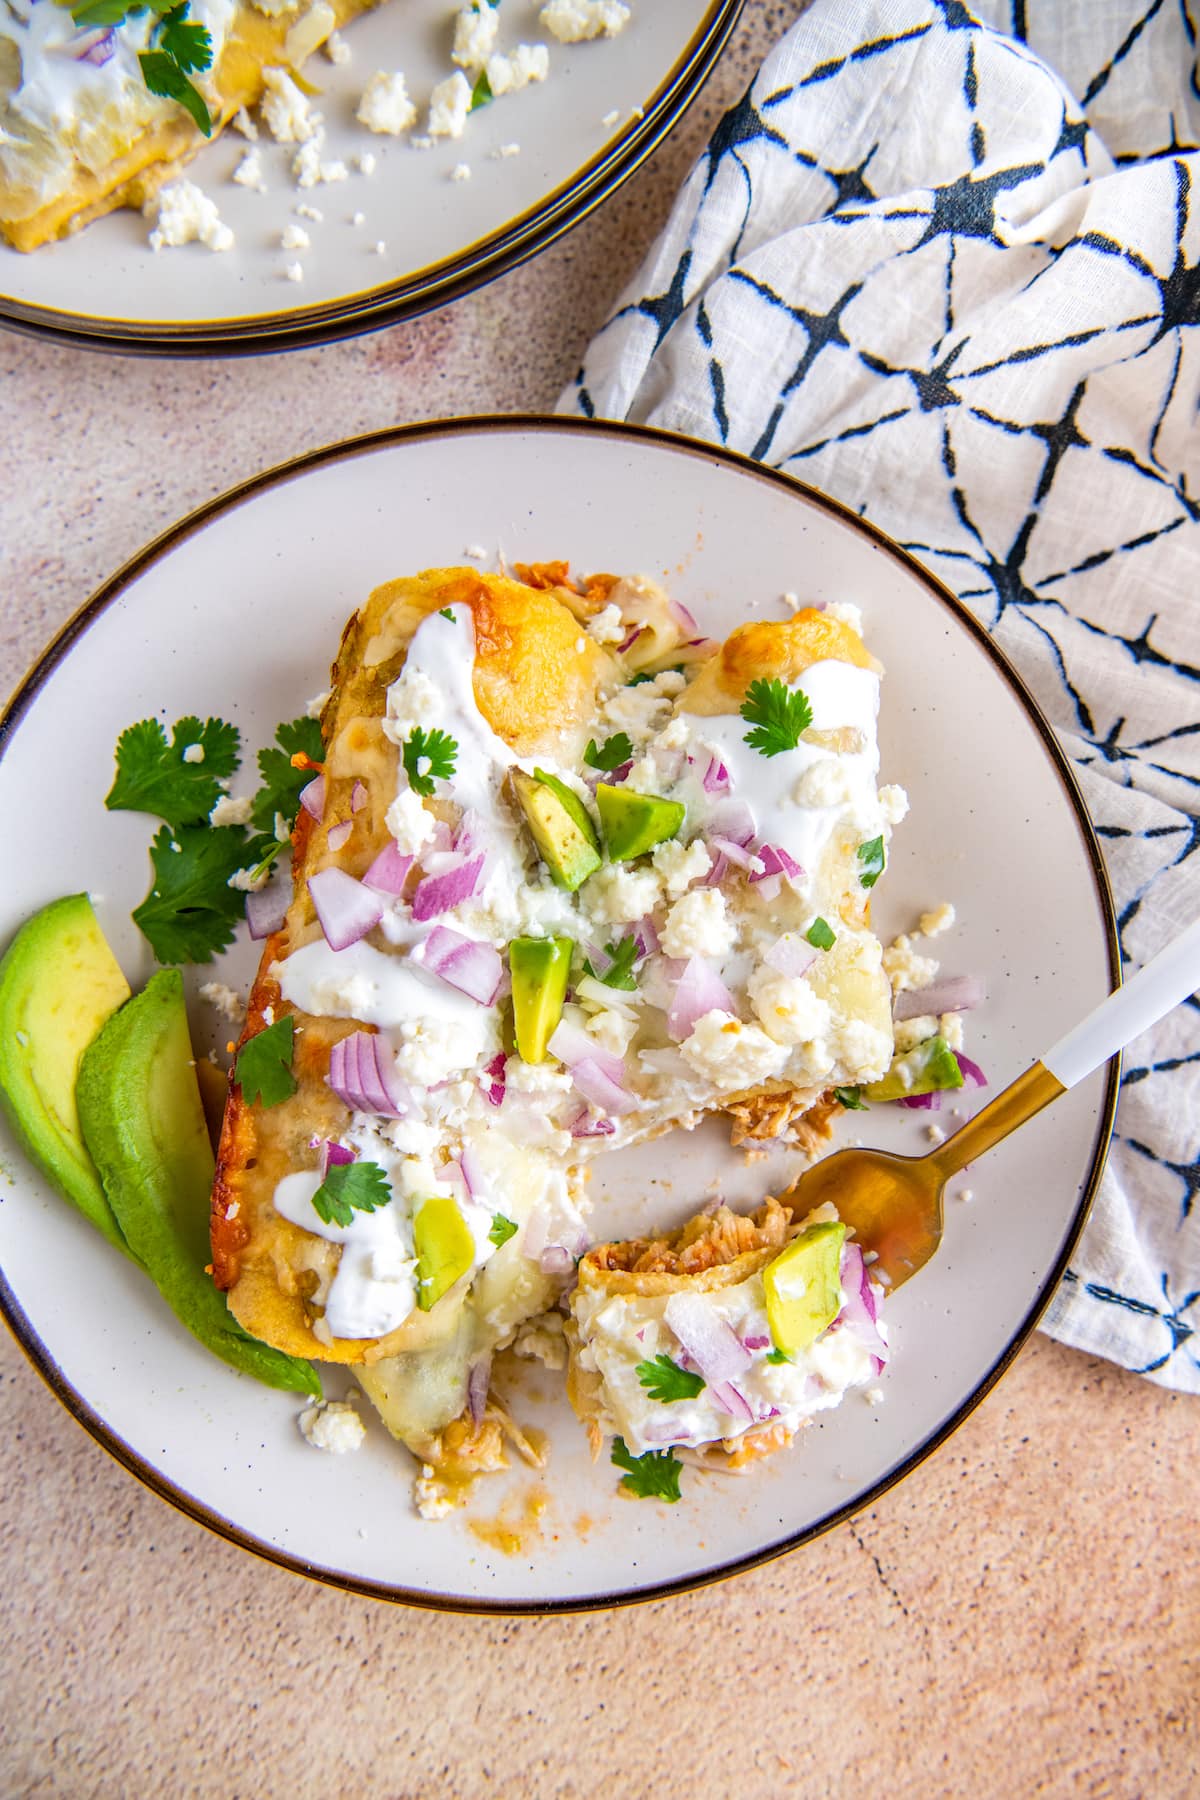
column 894, row 1203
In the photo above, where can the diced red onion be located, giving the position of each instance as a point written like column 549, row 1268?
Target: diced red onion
column 971, row 1071
column 923, row 1102
column 358, row 796
column 718, row 869
column 647, row 936
column 700, row 990
column 712, row 1344
column 790, row 954
column 479, row 1375
column 347, row 910
column 596, row 1085
column 474, row 968
column 556, row 1259
column 732, row 819
column 97, row 48
column 731, row 1400
column 438, row 893
column 733, row 852
column 695, row 648
column 266, row 911
column 716, row 777
column 362, row 1073
column 493, row 1086
column 473, row 1177
column 775, row 860
column 312, row 797
column 572, row 1044
column 630, row 639
column 338, row 836
column 861, row 1311
column 768, row 887
column 333, row 1155
column 757, row 1343
column 585, row 1126
column 599, row 958
column 679, row 615
column 953, row 993
column 389, row 871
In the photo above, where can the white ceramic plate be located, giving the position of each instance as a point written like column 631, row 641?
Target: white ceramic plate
column 603, row 110
column 237, row 612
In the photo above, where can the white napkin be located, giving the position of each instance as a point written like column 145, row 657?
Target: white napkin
column 921, row 245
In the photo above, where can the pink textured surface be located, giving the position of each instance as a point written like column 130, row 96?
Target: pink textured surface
column 1018, row 1617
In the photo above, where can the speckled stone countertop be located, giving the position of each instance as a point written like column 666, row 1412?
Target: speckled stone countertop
column 1020, row 1616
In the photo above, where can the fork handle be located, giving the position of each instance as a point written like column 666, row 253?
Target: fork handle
column 1144, row 999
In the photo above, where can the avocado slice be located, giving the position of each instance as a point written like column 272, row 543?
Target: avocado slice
column 444, row 1246
column 926, row 1068
column 59, row 982
column 540, row 970
column 143, row 1123
column 803, row 1286
column 560, row 827
column 634, row 823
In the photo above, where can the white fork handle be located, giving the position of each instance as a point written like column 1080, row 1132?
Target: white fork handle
column 1144, row 999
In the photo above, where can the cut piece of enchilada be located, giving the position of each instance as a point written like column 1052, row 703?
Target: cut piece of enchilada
column 578, row 876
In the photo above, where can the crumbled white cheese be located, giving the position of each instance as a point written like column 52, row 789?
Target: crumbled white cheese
column 699, row 925
column 612, row 1030
column 904, row 968
column 964, row 1194
column 385, row 106
column 228, row 811
column 308, row 168
column 575, row 21
column 475, row 31
column 294, row 272
column 227, row 1002
column 504, row 151
column 288, row 116
column 317, row 704
column 509, row 74
column 241, row 121
column 620, row 894
column 429, row 1496
column 680, row 864
column 249, row 172
column 337, row 49
column 380, row 249
column 186, row 215
column 358, row 218
column 862, row 1050
column 461, row 172
column 409, row 822
column 825, row 783
column 873, row 1396
column 610, row 119
column 432, row 1050
column 935, row 1134
column 247, row 881
column 607, row 627
column 893, row 803
column 542, row 1081
column 950, row 1026
column 731, row 1055
column 911, row 1032
column 939, row 919
column 294, row 237
column 476, row 552
column 194, row 753
column 449, row 104
column 333, row 1425
column 365, row 162
column 788, row 1008
column 846, row 613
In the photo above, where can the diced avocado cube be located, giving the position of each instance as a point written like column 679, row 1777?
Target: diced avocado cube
column 803, row 1287
column 444, row 1246
column 633, row 823
column 540, row 970
column 560, row 827
column 926, row 1068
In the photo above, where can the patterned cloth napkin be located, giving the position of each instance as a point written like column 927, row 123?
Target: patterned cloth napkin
column 968, row 243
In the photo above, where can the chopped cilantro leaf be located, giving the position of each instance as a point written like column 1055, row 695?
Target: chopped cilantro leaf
column 663, row 1379
column 851, row 1098
column 481, row 93
column 179, row 782
column 637, row 680
column 186, row 43
column 349, row 1188
column 190, row 912
column 870, row 862
column 654, row 1476
column 164, row 77
column 820, row 935
column 436, row 749
column 445, row 612
column 263, row 1069
column 282, row 781
column 777, row 1356
column 501, row 1229
column 611, row 753
column 624, row 954
column 94, row 13
column 778, row 714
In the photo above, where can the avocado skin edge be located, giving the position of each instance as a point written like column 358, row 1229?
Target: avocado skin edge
column 143, row 1123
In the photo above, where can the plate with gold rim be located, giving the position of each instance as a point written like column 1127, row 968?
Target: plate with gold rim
column 410, row 235
column 996, row 826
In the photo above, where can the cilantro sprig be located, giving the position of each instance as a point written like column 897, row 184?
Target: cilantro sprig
column 821, row 934
column 428, row 756
column 851, row 1098
column 778, row 714
column 871, row 860
column 263, row 1069
column 191, row 911
column 481, row 93
column 624, row 954
column 180, row 781
column 663, row 1379
column 611, row 753
column 179, row 44
column 283, row 779
column 501, row 1229
column 349, row 1188
column 653, row 1476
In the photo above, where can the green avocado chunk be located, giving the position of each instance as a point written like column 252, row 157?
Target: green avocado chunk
column 560, row 827
column 924, row 1069
column 803, row 1286
column 634, row 823
column 59, row 982
column 143, row 1123
column 444, row 1246
column 540, row 970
